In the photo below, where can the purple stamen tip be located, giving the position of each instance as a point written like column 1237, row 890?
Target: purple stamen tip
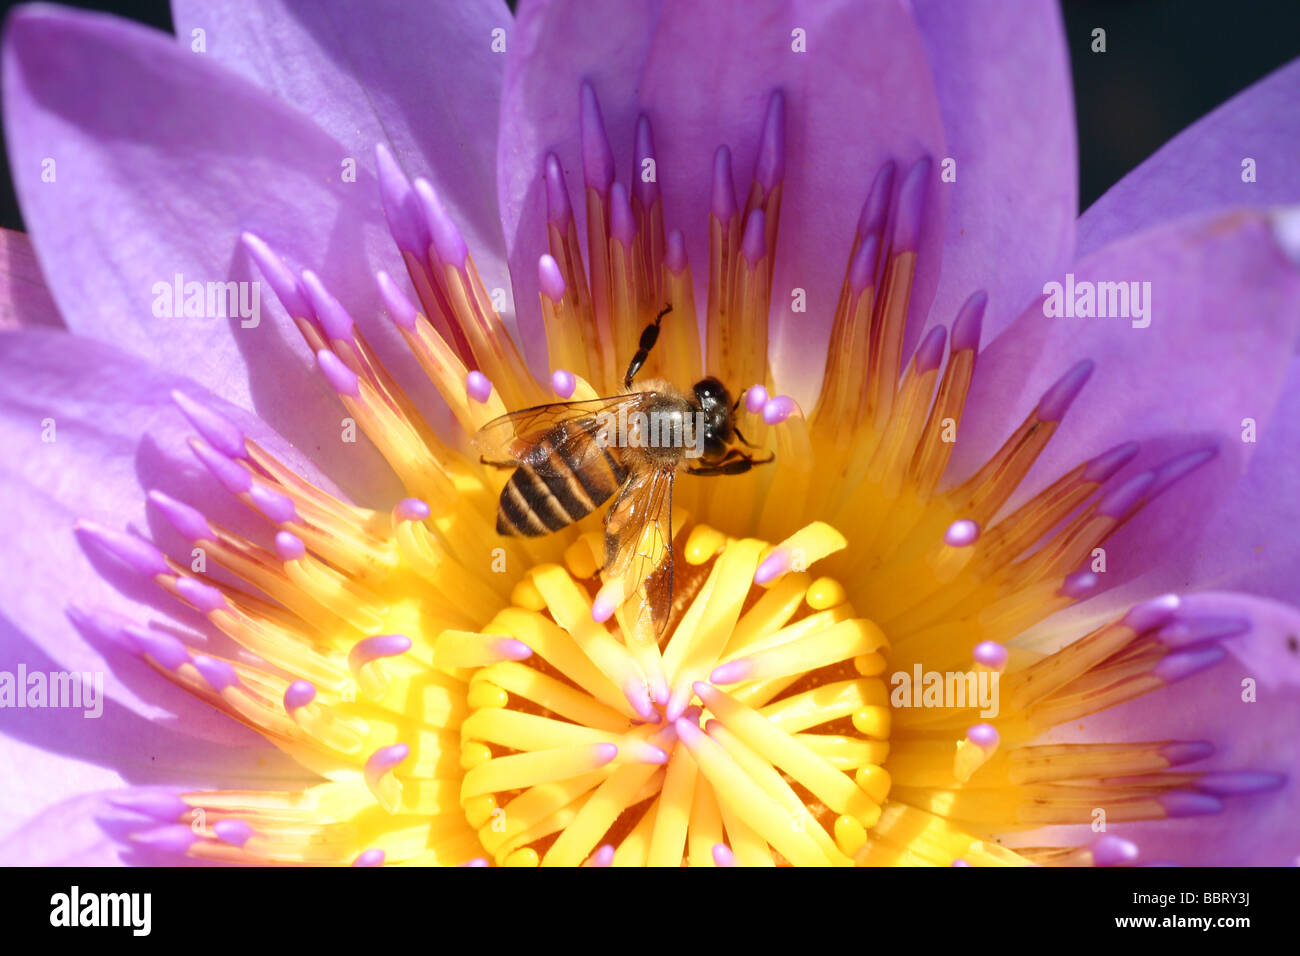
column 1079, row 584
column 1107, row 463
column 161, row 805
column 773, row 566
column 218, row 431
column 911, row 207
column 722, row 855
column 622, row 224
column 675, row 254
column 277, row 507
column 1186, row 751
column 1200, row 629
column 298, row 694
column 604, row 753
column 755, row 398
column 383, row 760
column 341, row 378
column 959, row 862
column 778, row 409
column 138, row 554
column 282, row 280
column 604, row 856
column 724, row 191
column 646, row 192
column 862, row 270
column 204, row 597
column 188, row 522
column 637, row 695
column 448, row 243
column 558, row 209
column 1119, row 502
column 929, row 354
column 550, row 278
column 513, row 650
column 984, row 736
column 961, row 534
column 1179, row 467
column 374, row 648
column 1055, row 401
column 218, row 674
column 374, row 857
column 1111, row 850
column 401, row 208
column 875, row 211
column 1183, row 664
column 969, row 323
column 334, row 319
column 563, row 383
column 597, row 157
column 478, row 387
column 399, row 307
column 1152, row 614
column 234, row 832
column 177, row 838
column 234, row 478
column 164, row 648
column 731, row 672
column 288, row 546
column 478, row 861
column 412, row 509
column 1184, row 803
column 991, row 654
column 769, row 170
column 1236, row 783
column 753, row 245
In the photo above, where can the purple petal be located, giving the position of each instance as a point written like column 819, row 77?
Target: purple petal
column 422, row 78
column 89, row 430
column 1254, row 830
column 554, row 48
column 862, row 94
column 24, row 299
column 163, row 159
column 1200, row 169
column 1223, row 319
column 1002, row 75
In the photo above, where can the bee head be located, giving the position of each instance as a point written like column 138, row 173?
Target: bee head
column 715, row 402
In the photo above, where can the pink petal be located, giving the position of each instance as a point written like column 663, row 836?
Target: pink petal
column 163, row 159
column 1200, row 169
column 1226, row 308
column 422, row 78
column 1002, row 75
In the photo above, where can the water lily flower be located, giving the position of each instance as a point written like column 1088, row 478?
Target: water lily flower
column 1017, row 590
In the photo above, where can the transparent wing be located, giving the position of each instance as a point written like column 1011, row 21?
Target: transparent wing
column 639, row 548
column 571, row 430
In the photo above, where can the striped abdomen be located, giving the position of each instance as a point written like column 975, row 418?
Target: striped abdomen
column 561, row 488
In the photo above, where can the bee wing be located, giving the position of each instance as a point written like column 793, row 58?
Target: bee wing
column 532, row 436
column 639, row 548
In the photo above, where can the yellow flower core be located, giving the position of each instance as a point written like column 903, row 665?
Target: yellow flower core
column 457, row 700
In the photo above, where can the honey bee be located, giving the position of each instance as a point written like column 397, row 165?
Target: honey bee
column 569, row 458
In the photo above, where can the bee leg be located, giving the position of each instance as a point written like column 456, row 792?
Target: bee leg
column 743, row 440
column 649, row 336
column 733, row 463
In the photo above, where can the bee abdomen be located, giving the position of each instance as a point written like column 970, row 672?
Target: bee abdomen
column 534, row 503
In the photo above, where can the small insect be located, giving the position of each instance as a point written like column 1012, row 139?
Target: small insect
column 569, row 458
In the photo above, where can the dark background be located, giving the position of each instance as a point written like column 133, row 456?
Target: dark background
column 1167, row 62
